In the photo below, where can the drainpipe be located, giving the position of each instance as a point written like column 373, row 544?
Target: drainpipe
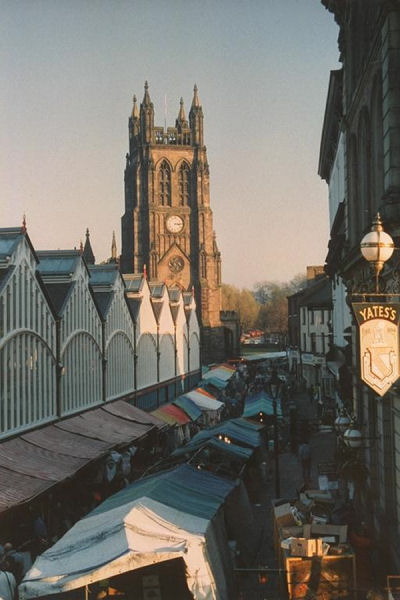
column 59, row 368
column 158, row 364
column 103, row 360
column 135, row 361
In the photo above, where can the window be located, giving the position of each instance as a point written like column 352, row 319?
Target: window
column 184, row 184
column 164, row 184
column 313, row 343
column 304, row 342
column 303, row 310
column 312, row 317
column 322, row 316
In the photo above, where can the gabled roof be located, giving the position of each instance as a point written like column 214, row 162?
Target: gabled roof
column 134, row 306
column 103, row 301
column 58, row 262
column 10, row 237
column 174, row 294
column 134, row 281
column 103, row 275
column 58, row 294
column 157, row 308
column 9, row 240
column 157, row 289
column 174, row 311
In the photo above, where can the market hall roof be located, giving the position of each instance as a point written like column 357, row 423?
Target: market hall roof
column 37, row 460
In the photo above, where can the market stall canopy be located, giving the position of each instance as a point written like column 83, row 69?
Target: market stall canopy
column 171, row 414
column 233, row 431
column 168, row 515
column 219, row 384
column 37, row 460
column 254, row 357
column 261, row 403
column 223, row 372
column 237, row 451
column 204, row 401
column 189, row 407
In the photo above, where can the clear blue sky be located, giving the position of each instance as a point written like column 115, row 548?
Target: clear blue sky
column 69, row 69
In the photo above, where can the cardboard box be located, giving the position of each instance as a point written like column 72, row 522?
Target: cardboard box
column 284, row 516
column 294, row 531
column 323, row 496
column 339, row 531
column 306, row 547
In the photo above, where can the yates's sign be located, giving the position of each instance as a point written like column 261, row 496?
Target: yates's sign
column 379, row 344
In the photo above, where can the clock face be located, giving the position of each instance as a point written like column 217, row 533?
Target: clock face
column 174, row 224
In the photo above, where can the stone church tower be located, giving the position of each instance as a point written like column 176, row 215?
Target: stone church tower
column 168, row 223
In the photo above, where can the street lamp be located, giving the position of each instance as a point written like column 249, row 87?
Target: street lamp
column 274, row 385
column 342, row 423
column 377, row 247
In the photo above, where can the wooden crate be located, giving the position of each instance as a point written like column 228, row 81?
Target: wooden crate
column 329, row 577
column 320, row 577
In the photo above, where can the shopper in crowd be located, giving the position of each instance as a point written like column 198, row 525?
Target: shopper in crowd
column 8, row 584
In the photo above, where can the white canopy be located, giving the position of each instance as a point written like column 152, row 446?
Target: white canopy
column 128, row 537
column 204, row 402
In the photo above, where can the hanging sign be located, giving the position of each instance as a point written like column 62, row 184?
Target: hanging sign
column 379, row 343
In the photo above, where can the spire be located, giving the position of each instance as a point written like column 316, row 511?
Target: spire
column 196, row 120
column 23, row 227
column 147, row 117
column 144, row 271
column 181, row 121
column 195, row 101
column 113, row 248
column 146, row 97
column 87, row 250
column 135, row 110
column 181, row 116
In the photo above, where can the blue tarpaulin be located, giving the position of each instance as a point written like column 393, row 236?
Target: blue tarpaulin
column 234, row 431
column 184, row 488
column 261, row 403
column 233, row 449
column 188, row 406
column 217, row 383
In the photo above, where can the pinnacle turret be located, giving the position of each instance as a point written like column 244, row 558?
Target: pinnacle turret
column 147, row 117
column 135, row 110
column 87, row 250
column 181, row 121
column 146, row 97
column 113, row 249
column 196, row 100
column 196, row 119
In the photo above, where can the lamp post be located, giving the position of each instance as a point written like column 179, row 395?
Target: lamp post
column 377, row 247
column 274, row 384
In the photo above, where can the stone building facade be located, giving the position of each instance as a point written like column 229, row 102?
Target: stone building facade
column 167, row 227
column 168, row 222
column 360, row 160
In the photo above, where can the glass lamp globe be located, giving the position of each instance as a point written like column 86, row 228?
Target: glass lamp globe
column 352, row 438
column 377, row 246
column 341, row 423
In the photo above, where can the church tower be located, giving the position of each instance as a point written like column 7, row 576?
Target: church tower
column 168, row 223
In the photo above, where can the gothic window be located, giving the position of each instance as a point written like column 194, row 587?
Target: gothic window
column 184, row 184
column 203, row 265
column 164, row 184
